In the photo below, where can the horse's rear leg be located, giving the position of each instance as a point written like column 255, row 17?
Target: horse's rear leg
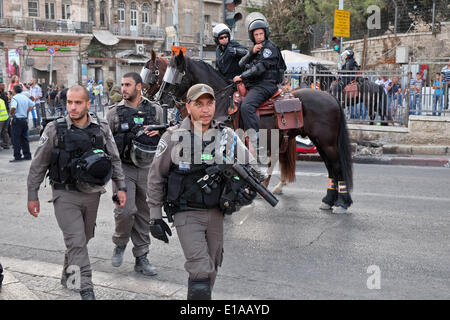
column 329, row 200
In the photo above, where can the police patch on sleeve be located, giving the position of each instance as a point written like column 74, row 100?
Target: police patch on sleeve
column 43, row 139
column 267, row 53
column 162, row 146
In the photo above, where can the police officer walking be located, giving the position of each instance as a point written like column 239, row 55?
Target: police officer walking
column 228, row 52
column 128, row 120
column 178, row 185
column 80, row 154
column 264, row 70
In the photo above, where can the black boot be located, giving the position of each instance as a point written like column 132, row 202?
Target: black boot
column 117, row 257
column 87, row 294
column 1, row 275
column 199, row 289
column 144, row 266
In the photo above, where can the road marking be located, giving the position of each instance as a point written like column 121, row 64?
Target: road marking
column 373, row 194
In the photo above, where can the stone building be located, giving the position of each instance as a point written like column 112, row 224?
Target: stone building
column 101, row 39
column 32, row 29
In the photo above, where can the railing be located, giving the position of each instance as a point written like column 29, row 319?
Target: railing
column 145, row 31
column 57, row 26
column 375, row 103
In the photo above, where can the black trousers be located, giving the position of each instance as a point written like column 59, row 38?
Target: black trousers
column 20, row 142
column 256, row 95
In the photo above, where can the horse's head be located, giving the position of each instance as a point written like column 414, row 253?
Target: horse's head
column 176, row 82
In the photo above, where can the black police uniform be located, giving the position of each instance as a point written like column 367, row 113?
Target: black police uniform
column 261, row 78
column 227, row 59
column 350, row 64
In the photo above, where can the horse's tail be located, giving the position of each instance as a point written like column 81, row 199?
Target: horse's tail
column 345, row 152
column 288, row 161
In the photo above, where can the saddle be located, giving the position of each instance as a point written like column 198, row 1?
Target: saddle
column 351, row 90
column 286, row 109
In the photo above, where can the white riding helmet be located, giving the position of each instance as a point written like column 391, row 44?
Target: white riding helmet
column 220, row 29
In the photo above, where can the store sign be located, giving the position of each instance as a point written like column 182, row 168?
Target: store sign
column 51, row 43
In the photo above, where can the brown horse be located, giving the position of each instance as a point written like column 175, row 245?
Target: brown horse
column 324, row 124
column 157, row 68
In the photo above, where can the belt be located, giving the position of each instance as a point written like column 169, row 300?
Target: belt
column 62, row 186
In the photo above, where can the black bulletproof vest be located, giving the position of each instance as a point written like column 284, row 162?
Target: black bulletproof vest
column 72, row 144
column 130, row 121
column 184, row 192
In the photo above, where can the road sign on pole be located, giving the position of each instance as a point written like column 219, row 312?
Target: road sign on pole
column 51, row 50
column 341, row 23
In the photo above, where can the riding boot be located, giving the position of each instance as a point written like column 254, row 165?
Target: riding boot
column 199, row 289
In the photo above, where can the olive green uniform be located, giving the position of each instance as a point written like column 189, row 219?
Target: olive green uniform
column 200, row 231
column 132, row 221
column 75, row 211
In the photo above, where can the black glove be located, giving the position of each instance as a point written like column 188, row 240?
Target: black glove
column 244, row 198
column 231, row 50
column 159, row 229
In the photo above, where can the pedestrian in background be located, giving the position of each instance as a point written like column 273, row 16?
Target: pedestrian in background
column 4, row 136
column 438, row 93
column 36, row 95
column 21, row 105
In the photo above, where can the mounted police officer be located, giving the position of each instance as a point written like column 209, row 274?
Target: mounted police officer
column 80, row 155
column 349, row 65
column 192, row 198
column 128, row 121
column 228, row 52
column 264, row 70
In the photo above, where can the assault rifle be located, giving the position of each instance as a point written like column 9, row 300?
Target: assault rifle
column 237, row 176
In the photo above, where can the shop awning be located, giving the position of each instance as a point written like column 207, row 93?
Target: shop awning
column 105, row 37
column 45, row 68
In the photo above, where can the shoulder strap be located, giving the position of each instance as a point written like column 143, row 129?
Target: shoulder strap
column 61, row 129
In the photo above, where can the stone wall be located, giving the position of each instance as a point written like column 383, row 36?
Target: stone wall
column 381, row 50
column 421, row 131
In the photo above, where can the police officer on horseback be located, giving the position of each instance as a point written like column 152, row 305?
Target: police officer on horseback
column 228, row 52
column 349, row 65
column 264, row 70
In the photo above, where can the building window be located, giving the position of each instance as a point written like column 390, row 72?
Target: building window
column 188, row 23
column 121, row 11
column 65, row 11
column 91, row 12
column 33, row 8
column 103, row 13
column 145, row 13
column 133, row 14
column 49, row 11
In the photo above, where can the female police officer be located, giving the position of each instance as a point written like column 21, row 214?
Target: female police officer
column 81, row 156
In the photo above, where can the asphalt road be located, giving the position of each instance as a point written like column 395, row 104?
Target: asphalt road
column 393, row 244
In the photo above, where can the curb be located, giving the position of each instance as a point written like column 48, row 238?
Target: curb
column 13, row 289
column 386, row 160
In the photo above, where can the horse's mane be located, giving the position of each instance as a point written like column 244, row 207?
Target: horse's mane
column 208, row 70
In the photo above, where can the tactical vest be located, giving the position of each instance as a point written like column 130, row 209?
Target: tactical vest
column 72, row 144
column 184, row 185
column 130, row 121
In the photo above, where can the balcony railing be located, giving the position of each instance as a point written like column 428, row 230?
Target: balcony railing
column 57, row 26
column 144, row 31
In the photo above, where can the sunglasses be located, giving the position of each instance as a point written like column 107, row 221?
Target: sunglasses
column 223, row 37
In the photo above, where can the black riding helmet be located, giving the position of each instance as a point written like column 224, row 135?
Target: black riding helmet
column 258, row 24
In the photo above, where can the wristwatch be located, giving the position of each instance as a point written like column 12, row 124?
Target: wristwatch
column 122, row 189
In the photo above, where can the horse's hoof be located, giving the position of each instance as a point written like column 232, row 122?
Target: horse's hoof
column 325, row 206
column 277, row 190
column 340, row 210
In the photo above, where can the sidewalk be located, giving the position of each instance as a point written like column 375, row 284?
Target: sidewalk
column 37, row 280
